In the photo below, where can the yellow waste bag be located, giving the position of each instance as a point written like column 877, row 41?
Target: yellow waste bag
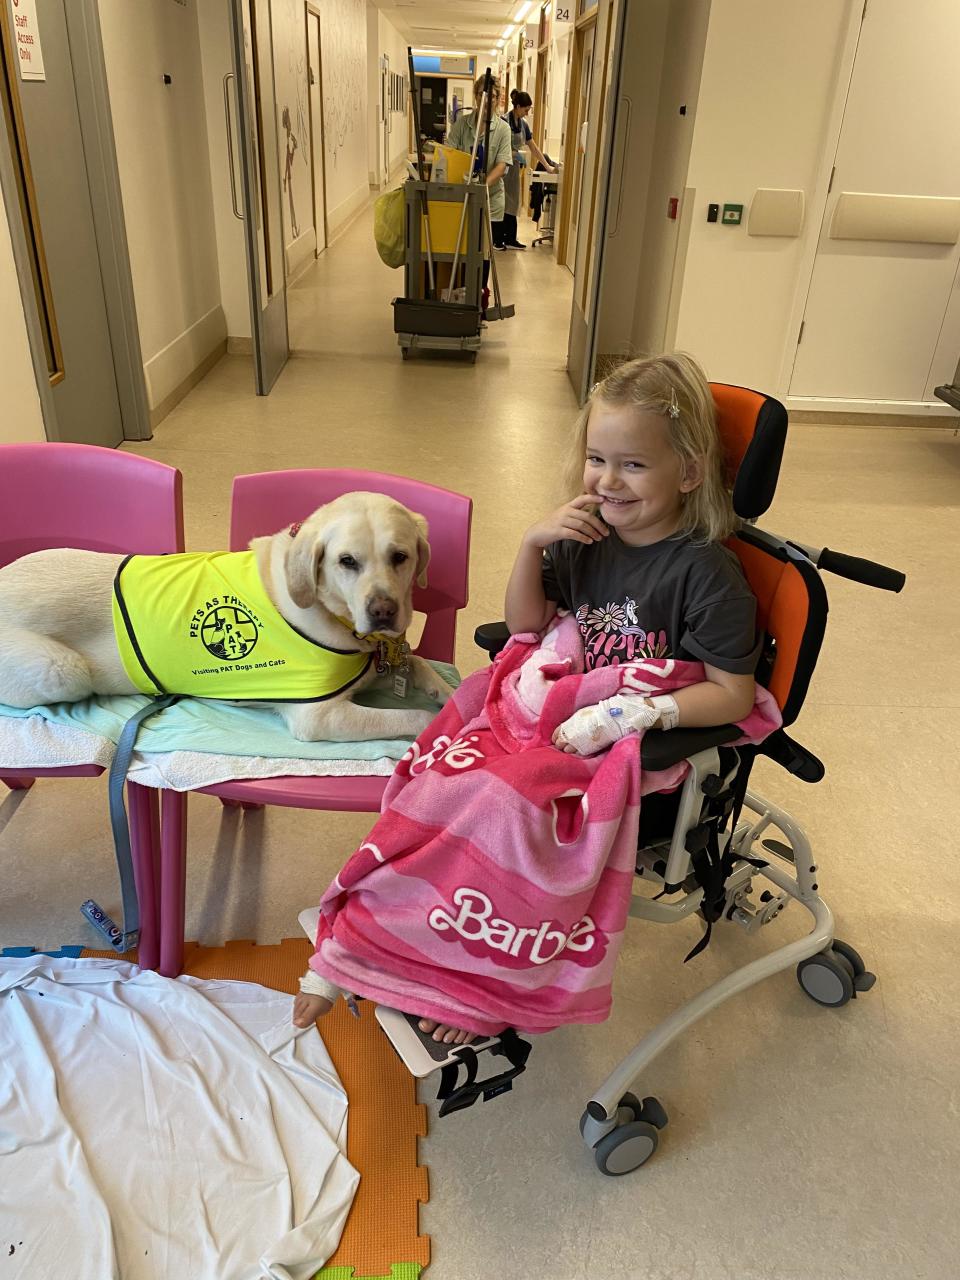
column 388, row 227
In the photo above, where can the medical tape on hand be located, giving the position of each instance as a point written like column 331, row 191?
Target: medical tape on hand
column 592, row 729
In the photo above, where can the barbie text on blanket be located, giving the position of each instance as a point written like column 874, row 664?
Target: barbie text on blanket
column 636, row 555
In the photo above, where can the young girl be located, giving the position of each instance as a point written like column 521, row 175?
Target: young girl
column 637, row 555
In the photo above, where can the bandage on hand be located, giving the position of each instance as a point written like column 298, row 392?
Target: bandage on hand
column 593, row 729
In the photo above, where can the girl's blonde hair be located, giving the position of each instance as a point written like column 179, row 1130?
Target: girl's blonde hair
column 675, row 387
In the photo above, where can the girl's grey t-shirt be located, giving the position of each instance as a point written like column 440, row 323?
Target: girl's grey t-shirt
column 673, row 599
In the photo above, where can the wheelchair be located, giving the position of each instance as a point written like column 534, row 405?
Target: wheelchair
column 708, row 844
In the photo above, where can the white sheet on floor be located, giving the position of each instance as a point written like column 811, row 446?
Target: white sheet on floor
column 153, row 1128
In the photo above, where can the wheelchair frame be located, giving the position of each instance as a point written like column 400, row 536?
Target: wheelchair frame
column 603, row 1114
column 619, row 1128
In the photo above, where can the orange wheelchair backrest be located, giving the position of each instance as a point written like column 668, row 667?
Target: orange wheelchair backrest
column 753, row 430
column 791, row 610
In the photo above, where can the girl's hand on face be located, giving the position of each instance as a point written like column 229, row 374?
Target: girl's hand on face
column 571, row 522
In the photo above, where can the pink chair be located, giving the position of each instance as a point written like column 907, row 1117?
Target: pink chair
column 78, row 495
column 263, row 504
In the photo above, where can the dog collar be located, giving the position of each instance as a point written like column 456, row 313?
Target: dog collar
column 391, row 651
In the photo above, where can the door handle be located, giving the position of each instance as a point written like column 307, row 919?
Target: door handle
column 616, row 185
column 237, row 211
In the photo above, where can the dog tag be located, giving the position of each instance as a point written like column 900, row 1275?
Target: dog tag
column 401, row 672
column 383, row 664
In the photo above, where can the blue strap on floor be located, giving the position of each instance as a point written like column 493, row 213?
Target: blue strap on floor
column 124, row 939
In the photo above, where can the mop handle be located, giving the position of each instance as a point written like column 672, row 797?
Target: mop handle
column 466, row 201
column 488, row 91
column 493, row 265
column 421, row 164
column 488, row 94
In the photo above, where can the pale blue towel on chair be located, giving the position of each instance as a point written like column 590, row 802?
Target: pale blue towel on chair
column 224, row 729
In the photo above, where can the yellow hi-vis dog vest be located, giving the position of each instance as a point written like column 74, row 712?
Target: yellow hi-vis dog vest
column 202, row 625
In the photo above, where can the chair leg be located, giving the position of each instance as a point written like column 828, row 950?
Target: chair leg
column 241, row 804
column 144, row 810
column 173, row 867
column 17, row 784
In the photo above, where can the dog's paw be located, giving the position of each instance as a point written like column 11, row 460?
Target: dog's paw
column 439, row 692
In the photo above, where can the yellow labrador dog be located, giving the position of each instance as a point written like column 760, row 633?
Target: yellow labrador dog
column 300, row 622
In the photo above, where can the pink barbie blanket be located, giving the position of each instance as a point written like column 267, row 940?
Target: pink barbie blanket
column 494, row 889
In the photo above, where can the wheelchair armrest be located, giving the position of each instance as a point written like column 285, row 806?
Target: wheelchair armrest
column 662, row 748
column 492, row 636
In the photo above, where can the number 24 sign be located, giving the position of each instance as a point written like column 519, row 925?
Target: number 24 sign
column 563, row 14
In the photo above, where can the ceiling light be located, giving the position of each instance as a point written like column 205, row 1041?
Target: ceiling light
column 442, row 53
column 523, row 12
column 507, row 32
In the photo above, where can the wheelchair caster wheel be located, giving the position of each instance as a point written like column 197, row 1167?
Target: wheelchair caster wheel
column 628, row 1108
column 827, row 978
column 653, row 1112
column 626, row 1148
column 863, row 980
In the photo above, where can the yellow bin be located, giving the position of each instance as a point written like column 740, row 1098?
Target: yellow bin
column 444, row 215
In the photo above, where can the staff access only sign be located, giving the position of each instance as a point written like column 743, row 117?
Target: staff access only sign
column 26, row 39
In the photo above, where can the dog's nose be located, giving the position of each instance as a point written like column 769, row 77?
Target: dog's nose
column 382, row 611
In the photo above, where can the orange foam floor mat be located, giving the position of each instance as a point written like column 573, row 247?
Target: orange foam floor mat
column 385, row 1119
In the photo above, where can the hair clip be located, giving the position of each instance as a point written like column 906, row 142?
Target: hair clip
column 673, row 409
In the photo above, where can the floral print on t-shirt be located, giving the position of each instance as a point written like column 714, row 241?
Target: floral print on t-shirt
column 612, row 635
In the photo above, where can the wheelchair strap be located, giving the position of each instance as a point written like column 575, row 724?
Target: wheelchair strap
column 126, row 938
column 454, row 1097
column 711, row 867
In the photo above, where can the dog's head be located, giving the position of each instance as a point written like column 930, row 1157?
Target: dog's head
column 358, row 556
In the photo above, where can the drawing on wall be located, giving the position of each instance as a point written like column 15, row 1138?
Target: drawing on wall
column 291, row 151
column 344, row 75
column 292, row 91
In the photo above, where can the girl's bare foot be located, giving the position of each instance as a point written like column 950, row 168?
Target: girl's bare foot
column 307, row 1009
column 446, row 1035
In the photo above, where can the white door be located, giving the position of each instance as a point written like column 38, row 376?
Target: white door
column 581, row 125
column 875, row 307
column 69, row 284
column 383, row 151
column 316, row 127
column 593, row 201
column 460, row 98
column 260, row 187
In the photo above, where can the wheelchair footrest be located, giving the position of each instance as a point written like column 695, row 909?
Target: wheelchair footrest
column 422, row 1055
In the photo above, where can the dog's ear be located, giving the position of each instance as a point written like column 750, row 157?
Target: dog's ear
column 423, row 548
column 302, row 564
